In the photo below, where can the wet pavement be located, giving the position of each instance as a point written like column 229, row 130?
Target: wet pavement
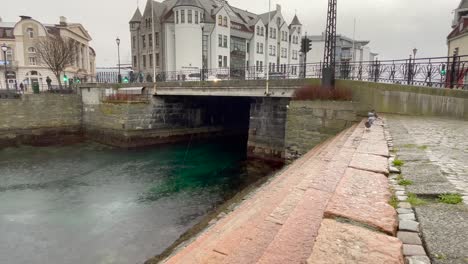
column 435, row 154
column 92, row 204
column 443, row 141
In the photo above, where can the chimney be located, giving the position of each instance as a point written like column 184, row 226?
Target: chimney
column 63, row 21
column 278, row 7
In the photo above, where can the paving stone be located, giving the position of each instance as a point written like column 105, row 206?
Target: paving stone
column 400, row 193
column 423, row 172
column 378, row 147
column 410, row 238
column 404, row 205
column 413, row 250
column 404, row 211
column 402, row 198
column 417, row 260
column 363, row 196
column 409, row 225
column 369, row 162
column 293, row 243
column 406, row 217
column 444, row 229
column 394, row 169
column 431, row 189
column 341, row 243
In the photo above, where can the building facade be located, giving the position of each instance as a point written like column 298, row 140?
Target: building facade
column 457, row 40
column 197, row 36
column 347, row 50
column 23, row 63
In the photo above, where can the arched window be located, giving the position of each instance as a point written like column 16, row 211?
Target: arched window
column 30, row 32
column 220, row 20
column 31, row 50
column 225, row 21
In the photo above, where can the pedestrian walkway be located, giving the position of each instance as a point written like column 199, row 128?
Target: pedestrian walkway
column 434, row 152
column 330, row 206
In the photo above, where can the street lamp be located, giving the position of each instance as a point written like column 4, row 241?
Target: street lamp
column 119, row 77
column 4, row 49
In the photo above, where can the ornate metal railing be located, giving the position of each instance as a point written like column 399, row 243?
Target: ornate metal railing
column 441, row 72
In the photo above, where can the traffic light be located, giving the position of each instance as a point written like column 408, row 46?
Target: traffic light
column 65, row 78
column 306, row 45
column 443, row 71
column 125, row 79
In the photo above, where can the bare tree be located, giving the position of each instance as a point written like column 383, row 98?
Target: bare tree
column 57, row 53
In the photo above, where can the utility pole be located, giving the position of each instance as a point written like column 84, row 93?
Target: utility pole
column 354, row 40
column 154, row 41
column 267, row 92
column 328, row 76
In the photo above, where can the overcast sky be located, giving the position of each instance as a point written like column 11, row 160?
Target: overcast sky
column 393, row 27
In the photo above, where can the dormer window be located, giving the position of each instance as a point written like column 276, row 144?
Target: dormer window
column 30, row 32
column 220, row 20
column 225, row 22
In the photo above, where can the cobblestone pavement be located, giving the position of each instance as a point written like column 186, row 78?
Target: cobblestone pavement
column 434, row 152
column 445, row 142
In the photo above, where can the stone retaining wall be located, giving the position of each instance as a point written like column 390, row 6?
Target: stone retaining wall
column 267, row 128
column 409, row 100
column 40, row 119
column 311, row 122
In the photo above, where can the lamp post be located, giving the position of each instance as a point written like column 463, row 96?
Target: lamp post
column 119, row 77
column 4, row 49
column 415, row 51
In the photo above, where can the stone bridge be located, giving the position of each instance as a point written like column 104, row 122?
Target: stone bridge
column 277, row 126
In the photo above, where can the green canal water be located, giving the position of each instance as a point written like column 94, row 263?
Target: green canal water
column 89, row 203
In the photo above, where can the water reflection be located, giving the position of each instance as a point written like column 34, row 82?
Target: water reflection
column 89, row 203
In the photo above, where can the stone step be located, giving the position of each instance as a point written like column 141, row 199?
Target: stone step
column 363, row 197
column 247, row 245
column 341, row 243
column 252, row 227
column 294, row 242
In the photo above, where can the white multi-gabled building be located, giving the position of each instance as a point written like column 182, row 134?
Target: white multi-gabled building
column 177, row 36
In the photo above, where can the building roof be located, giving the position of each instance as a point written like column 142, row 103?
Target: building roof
column 7, row 28
column 243, row 19
column 7, row 24
column 295, row 21
column 264, row 17
column 137, row 16
column 194, row 3
column 460, row 29
column 463, row 4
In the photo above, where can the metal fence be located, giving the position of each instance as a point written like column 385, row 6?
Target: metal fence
column 441, row 72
